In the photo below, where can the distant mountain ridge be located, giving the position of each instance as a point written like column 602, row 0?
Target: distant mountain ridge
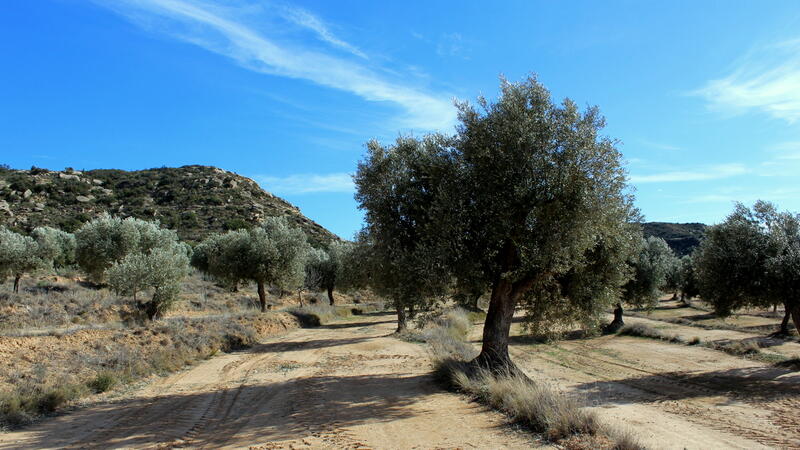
column 194, row 200
column 681, row 237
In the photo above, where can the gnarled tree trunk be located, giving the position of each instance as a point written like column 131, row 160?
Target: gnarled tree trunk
column 16, row 282
column 494, row 352
column 262, row 296
column 330, row 295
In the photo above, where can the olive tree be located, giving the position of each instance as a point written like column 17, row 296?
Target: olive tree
column 685, row 279
column 750, row 260
column 272, row 253
column 19, row 255
column 106, row 240
column 55, row 245
column 538, row 207
column 650, row 267
column 396, row 187
column 324, row 268
column 160, row 269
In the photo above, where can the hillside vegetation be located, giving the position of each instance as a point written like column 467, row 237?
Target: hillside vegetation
column 681, row 237
column 194, row 200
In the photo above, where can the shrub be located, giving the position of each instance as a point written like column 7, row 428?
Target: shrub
column 104, row 381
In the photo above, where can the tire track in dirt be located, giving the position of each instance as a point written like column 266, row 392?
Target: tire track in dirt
column 347, row 386
column 673, row 392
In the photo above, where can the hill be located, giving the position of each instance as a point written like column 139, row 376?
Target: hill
column 681, row 237
column 194, row 200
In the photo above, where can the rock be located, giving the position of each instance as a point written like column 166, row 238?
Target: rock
column 39, row 207
column 27, row 193
column 97, row 182
column 4, row 206
column 84, row 199
column 68, row 177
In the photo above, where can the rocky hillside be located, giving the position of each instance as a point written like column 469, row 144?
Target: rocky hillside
column 681, row 237
column 194, row 200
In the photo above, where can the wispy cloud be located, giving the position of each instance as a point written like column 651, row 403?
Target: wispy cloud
column 307, row 20
column 709, row 173
column 745, row 195
column 307, row 183
column 226, row 31
column 766, row 79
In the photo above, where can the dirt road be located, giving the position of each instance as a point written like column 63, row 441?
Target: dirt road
column 349, row 385
column 672, row 395
column 353, row 385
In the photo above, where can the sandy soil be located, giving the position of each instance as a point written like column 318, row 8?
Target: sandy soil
column 352, row 385
column 349, row 385
column 671, row 395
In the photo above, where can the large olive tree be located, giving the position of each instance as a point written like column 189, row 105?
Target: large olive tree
column 538, row 208
column 397, row 186
column 752, row 259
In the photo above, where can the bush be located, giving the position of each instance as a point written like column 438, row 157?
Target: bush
column 104, row 381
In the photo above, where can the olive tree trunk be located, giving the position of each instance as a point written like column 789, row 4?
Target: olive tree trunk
column 16, row 282
column 618, row 322
column 401, row 317
column 494, row 352
column 262, row 296
column 795, row 310
column 786, row 316
column 330, row 295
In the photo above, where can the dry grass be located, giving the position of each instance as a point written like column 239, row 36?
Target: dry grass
column 539, row 407
column 642, row 330
column 131, row 354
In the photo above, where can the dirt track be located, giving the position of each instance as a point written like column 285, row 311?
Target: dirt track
column 349, row 385
column 352, row 385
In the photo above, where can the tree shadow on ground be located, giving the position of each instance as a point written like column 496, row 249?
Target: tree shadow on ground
column 337, row 326
column 573, row 335
column 288, row 346
column 246, row 414
column 753, row 383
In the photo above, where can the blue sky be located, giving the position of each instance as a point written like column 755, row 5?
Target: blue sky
column 704, row 96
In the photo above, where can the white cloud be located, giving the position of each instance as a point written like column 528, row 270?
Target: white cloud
column 710, row 173
column 767, row 79
column 307, row 20
column 307, row 183
column 224, row 31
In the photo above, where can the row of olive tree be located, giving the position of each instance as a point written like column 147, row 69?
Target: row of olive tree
column 752, row 259
column 528, row 200
column 45, row 248
column 274, row 253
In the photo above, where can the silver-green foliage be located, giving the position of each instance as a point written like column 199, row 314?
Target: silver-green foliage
column 19, row 255
column 55, row 245
column 752, row 259
column 650, row 267
column 325, row 269
column 272, row 253
column 161, row 270
column 106, row 240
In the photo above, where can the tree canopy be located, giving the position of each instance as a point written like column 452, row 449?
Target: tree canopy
column 751, row 260
column 272, row 253
column 528, row 199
